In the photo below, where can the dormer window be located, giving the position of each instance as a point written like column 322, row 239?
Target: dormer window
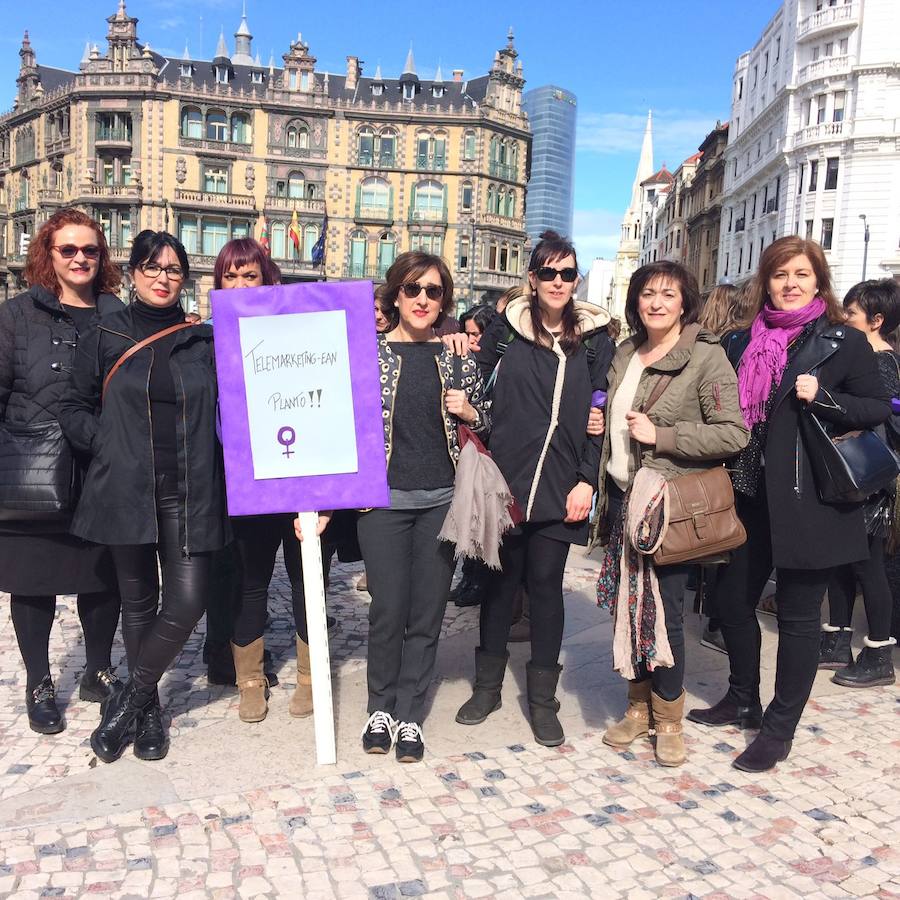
column 409, row 91
column 292, row 80
column 187, row 70
column 256, row 78
column 437, row 91
column 377, row 90
column 304, row 81
column 221, row 74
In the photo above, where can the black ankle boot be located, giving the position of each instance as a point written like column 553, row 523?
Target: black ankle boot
column 834, row 648
column 543, row 705
column 151, row 740
column 763, row 754
column 44, row 716
column 727, row 712
column 873, row 666
column 95, row 687
column 118, row 715
column 485, row 699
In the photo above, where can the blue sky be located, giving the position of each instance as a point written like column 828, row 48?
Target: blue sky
column 620, row 59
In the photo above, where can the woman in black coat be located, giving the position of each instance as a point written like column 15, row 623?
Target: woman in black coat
column 550, row 353
column 798, row 354
column 72, row 279
column 155, row 492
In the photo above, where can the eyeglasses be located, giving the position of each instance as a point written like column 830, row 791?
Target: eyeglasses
column 152, row 270
column 70, row 251
column 412, row 290
column 548, row 273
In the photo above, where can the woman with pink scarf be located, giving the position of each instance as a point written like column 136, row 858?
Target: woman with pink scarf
column 798, row 353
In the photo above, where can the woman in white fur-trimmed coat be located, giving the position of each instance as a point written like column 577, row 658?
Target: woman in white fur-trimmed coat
column 555, row 353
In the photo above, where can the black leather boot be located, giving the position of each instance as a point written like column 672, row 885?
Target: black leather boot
column 834, row 647
column 151, row 739
column 543, row 705
column 873, row 666
column 763, row 754
column 485, row 699
column 97, row 686
column 727, row 712
column 118, row 716
column 44, row 716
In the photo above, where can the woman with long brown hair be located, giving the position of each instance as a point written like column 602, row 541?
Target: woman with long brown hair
column 795, row 352
column 70, row 277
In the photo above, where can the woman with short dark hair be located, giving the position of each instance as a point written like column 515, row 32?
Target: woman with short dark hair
column 425, row 393
column 155, row 492
column 795, row 352
column 71, row 278
column 872, row 307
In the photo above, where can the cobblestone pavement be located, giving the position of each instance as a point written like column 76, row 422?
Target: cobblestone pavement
column 489, row 818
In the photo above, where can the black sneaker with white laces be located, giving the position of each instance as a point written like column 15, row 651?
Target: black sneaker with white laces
column 410, row 746
column 378, row 735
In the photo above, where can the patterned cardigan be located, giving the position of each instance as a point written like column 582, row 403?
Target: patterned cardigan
column 472, row 384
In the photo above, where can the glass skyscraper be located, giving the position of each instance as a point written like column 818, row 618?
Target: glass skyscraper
column 550, row 199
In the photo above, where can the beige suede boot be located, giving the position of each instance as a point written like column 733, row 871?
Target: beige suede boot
column 251, row 681
column 636, row 722
column 302, row 699
column 667, row 716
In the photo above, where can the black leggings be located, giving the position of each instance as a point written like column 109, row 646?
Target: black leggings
column 540, row 562
column 154, row 637
column 257, row 539
column 32, row 619
column 872, row 578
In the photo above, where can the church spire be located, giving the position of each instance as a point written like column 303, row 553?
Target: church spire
column 645, row 163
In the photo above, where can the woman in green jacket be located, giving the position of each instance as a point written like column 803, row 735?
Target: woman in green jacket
column 693, row 425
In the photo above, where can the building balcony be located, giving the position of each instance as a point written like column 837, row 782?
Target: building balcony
column 368, row 272
column 214, row 200
column 300, row 204
column 428, row 216
column 293, row 152
column 502, row 170
column 494, row 280
column 50, row 197
column 113, row 139
column 823, row 132
column 23, row 205
column 214, row 146
column 120, row 252
column 431, row 163
column 822, row 68
column 832, row 18
column 59, row 145
column 377, row 160
column 128, row 192
column 303, row 268
column 375, row 215
column 494, row 220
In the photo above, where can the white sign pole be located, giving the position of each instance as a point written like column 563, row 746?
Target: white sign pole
column 317, row 626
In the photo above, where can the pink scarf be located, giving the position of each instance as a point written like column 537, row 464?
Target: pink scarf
column 763, row 362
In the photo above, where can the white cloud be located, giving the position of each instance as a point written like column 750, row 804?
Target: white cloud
column 596, row 233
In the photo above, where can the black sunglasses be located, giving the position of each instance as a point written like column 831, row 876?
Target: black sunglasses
column 70, row 251
column 412, row 289
column 548, row 273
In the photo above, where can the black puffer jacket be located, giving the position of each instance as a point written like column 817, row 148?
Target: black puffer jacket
column 118, row 503
column 37, row 352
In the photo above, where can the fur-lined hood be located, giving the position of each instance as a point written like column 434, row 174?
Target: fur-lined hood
column 591, row 317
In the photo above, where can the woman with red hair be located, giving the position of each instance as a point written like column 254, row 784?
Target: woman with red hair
column 70, row 277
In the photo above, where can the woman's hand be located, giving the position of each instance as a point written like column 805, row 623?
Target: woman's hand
column 578, row 502
column 641, row 428
column 458, row 404
column 458, row 343
column 321, row 525
column 807, row 387
column 596, row 423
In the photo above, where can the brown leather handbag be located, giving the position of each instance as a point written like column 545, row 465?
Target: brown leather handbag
column 703, row 523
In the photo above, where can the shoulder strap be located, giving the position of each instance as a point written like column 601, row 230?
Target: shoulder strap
column 658, row 390
column 502, row 345
column 146, row 342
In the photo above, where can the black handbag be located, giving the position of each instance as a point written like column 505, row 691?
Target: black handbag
column 850, row 467
column 38, row 476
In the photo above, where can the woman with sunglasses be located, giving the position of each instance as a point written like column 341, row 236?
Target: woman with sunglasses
column 553, row 353
column 155, row 491
column 408, row 568
column 71, row 278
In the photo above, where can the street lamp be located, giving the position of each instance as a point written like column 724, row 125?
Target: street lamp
column 865, row 243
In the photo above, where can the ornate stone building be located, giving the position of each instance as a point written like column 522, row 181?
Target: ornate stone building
column 213, row 150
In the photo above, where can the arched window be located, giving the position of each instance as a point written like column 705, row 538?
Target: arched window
column 191, row 123
column 495, row 149
column 423, row 146
column 503, row 152
column 279, row 233
column 358, row 252
column 365, row 146
column 514, row 159
column 240, row 128
column 387, row 153
column 387, row 251
column 216, row 125
column 374, row 194
column 466, row 196
column 501, row 201
column 504, row 257
column 491, row 198
column 511, row 204
column 296, row 137
column 310, row 236
column 469, row 145
column 296, row 185
column 303, row 138
column 464, row 252
column 310, row 192
column 428, row 202
column 492, row 255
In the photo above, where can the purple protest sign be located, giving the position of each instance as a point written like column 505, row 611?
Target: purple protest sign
column 300, row 397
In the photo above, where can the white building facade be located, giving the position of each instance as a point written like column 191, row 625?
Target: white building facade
column 814, row 142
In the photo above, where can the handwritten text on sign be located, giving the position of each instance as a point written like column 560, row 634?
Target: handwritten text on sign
column 299, row 400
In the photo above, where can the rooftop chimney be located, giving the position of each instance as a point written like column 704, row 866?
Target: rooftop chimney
column 457, row 74
column 354, row 70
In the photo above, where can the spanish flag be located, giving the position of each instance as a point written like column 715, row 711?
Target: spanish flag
column 294, row 232
column 264, row 236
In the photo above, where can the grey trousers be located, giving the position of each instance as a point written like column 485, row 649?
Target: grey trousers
column 409, row 573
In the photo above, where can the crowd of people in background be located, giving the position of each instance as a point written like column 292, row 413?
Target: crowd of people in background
column 587, row 432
